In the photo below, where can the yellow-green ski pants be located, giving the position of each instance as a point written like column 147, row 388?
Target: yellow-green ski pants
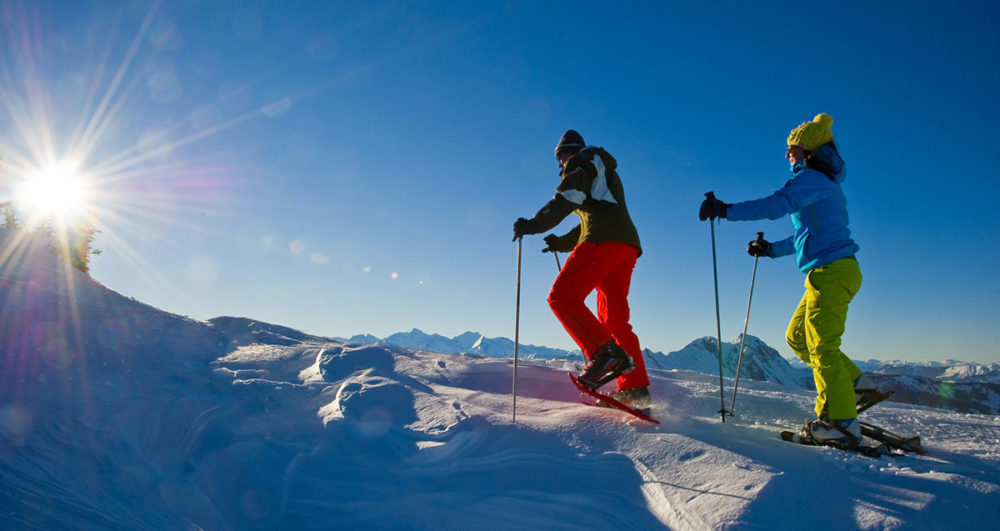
column 814, row 335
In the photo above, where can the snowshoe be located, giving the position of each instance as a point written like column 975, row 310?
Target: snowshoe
column 803, row 437
column 890, row 439
column 870, row 398
column 605, row 399
column 866, row 394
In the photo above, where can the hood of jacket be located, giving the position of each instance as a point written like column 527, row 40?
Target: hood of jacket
column 609, row 162
column 826, row 160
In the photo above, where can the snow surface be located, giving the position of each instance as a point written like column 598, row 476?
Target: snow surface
column 139, row 419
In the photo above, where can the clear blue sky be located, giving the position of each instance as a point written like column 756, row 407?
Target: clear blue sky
column 355, row 167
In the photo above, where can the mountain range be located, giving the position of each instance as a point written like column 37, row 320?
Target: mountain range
column 967, row 387
column 471, row 343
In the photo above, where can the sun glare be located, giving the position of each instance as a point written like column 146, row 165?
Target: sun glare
column 59, row 192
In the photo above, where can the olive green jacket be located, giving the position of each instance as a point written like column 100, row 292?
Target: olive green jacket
column 590, row 187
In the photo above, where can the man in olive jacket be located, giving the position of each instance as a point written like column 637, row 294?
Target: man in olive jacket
column 604, row 248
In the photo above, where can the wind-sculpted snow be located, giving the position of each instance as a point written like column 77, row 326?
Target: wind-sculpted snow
column 396, row 452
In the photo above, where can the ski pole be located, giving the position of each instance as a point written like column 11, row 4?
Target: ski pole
column 718, row 320
column 743, row 339
column 517, row 330
column 558, row 265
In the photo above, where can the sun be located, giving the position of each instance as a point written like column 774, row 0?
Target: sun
column 58, row 192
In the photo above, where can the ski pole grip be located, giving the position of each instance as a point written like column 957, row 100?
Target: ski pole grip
column 760, row 236
column 710, row 195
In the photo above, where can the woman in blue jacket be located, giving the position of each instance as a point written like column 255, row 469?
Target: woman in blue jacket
column 825, row 252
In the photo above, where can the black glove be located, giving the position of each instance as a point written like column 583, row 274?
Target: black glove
column 712, row 208
column 759, row 247
column 550, row 243
column 520, row 228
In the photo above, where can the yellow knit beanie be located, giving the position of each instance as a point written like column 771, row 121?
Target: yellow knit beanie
column 812, row 135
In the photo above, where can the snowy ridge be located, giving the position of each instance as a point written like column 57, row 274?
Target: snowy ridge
column 51, row 310
column 240, row 331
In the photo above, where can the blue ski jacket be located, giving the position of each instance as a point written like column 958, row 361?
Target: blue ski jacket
column 818, row 210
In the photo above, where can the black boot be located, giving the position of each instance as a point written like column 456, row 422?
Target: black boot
column 633, row 397
column 609, row 362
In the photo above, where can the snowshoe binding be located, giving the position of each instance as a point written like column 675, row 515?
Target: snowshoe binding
column 866, row 394
column 845, row 432
column 637, row 398
column 870, row 398
column 611, row 402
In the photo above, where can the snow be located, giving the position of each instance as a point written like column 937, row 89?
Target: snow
column 163, row 422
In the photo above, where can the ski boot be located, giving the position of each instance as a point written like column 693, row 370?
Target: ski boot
column 609, row 362
column 844, row 433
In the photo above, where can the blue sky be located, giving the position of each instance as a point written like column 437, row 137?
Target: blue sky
column 345, row 168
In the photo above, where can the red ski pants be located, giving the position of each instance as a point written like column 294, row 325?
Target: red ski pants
column 606, row 267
